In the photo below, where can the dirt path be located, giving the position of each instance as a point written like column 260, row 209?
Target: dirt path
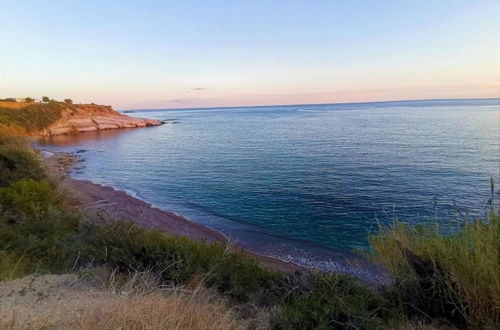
column 32, row 301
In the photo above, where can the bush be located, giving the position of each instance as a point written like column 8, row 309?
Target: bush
column 308, row 301
column 455, row 277
column 179, row 260
column 34, row 227
column 335, row 302
column 17, row 163
column 12, row 265
column 33, row 117
column 29, row 197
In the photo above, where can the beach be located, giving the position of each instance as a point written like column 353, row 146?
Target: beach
column 103, row 203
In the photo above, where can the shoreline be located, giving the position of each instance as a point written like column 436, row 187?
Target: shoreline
column 102, row 202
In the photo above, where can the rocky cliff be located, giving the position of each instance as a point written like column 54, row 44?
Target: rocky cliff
column 89, row 117
column 59, row 118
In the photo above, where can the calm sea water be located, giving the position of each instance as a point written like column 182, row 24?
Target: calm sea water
column 306, row 182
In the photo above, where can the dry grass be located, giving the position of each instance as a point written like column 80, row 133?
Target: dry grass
column 14, row 105
column 109, row 302
column 176, row 310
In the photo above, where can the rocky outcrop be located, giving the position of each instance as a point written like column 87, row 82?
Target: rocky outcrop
column 90, row 117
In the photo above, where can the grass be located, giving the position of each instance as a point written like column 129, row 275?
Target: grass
column 305, row 301
column 178, row 310
column 179, row 260
column 35, row 228
column 153, row 311
column 33, row 117
column 18, row 161
column 136, row 301
column 335, row 302
column 454, row 277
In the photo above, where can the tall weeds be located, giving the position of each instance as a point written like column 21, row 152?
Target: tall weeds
column 455, row 277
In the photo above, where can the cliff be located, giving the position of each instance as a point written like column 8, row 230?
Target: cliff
column 88, row 117
column 58, row 118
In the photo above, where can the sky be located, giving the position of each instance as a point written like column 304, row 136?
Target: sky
column 181, row 54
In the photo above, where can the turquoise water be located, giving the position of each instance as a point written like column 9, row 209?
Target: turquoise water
column 306, row 182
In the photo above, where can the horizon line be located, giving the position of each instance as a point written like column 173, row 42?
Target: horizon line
column 304, row 104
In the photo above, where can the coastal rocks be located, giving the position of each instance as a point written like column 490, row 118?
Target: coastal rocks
column 169, row 121
column 88, row 118
column 65, row 162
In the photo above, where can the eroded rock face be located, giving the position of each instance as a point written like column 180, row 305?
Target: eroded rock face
column 89, row 117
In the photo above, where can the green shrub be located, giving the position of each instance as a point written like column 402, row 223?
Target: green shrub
column 13, row 265
column 179, row 260
column 17, row 163
column 455, row 277
column 308, row 301
column 28, row 197
column 34, row 226
column 335, row 302
column 33, row 117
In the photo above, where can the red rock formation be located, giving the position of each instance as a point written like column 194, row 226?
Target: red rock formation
column 89, row 117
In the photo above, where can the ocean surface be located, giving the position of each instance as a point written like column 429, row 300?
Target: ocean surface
column 306, row 183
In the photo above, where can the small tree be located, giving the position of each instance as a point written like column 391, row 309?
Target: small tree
column 45, row 99
column 29, row 99
column 68, row 101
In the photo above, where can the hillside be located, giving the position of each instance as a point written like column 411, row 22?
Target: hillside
column 59, row 118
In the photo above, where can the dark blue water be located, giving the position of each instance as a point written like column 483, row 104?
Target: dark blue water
column 304, row 181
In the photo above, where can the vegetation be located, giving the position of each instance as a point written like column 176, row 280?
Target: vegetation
column 32, row 117
column 455, row 277
column 110, row 301
column 179, row 260
column 33, row 228
column 452, row 278
column 336, row 302
column 18, row 163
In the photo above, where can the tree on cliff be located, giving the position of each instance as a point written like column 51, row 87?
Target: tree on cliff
column 45, row 99
column 29, row 99
column 68, row 101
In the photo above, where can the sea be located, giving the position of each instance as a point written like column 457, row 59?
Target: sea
column 306, row 183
